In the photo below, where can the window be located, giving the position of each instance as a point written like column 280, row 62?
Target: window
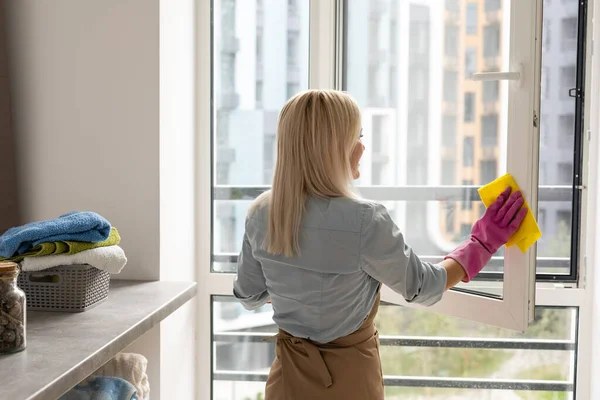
column 451, row 41
column 470, row 61
column 469, row 107
column 565, row 173
column 292, row 49
column 569, row 34
column 450, row 86
column 547, row 33
column 448, row 172
column 488, row 171
column 567, row 79
column 566, row 128
column 450, row 217
column 491, row 41
column 490, row 91
column 468, row 152
column 489, row 131
column 449, row 131
column 546, row 83
column 471, row 28
column 492, row 5
column 467, row 205
column 259, row 94
column 431, row 217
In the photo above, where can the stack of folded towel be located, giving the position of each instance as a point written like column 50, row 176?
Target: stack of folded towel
column 77, row 238
column 123, row 377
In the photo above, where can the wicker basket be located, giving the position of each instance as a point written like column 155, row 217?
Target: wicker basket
column 73, row 288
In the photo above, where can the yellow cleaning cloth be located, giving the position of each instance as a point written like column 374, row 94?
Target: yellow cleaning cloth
column 529, row 232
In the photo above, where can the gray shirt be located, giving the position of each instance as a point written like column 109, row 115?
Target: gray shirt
column 347, row 247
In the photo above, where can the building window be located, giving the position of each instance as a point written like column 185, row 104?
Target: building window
column 471, row 26
column 470, row 61
column 292, row 49
column 259, row 94
column 545, row 83
column 567, row 79
column 566, row 126
column 469, row 115
column 451, row 41
column 569, row 34
column 450, row 86
column 450, row 217
column 492, row 5
column 467, row 204
column 468, row 152
column 546, row 33
column 489, row 131
column 449, row 132
column 448, row 172
column 565, row 173
column 377, row 134
column 488, row 171
column 491, row 41
column 490, row 91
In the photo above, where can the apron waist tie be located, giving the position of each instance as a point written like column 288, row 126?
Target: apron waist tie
column 317, row 361
column 314, row 355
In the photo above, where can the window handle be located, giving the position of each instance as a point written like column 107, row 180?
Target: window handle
column 496, row 76
column 516, row 76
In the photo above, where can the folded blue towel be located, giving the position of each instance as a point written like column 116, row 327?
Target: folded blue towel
column 102, row 388
column 75, row 226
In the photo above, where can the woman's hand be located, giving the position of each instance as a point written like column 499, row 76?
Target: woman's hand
column 500, row 221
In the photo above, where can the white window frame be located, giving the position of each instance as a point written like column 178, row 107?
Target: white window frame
column 327, row 50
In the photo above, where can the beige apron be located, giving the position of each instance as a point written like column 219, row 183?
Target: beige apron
column 348, row 368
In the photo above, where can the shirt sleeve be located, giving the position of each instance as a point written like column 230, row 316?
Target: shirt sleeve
column 250, row 286
column 387, row 258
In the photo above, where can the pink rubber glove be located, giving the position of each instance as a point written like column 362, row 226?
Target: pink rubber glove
column 500, row 221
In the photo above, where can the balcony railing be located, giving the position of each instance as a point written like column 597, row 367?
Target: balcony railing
column 399, row 193
column 428, row 381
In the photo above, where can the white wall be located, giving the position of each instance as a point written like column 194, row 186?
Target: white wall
column 91, row 111
column 177, row 243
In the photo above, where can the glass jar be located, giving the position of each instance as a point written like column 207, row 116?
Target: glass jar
column 12, row 310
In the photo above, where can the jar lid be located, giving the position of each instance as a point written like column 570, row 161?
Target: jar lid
column 8, row 266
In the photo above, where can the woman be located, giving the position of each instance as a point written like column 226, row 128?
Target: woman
column 320, row 253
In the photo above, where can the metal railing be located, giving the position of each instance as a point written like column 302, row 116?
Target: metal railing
column 399, row 193
column 425, row 381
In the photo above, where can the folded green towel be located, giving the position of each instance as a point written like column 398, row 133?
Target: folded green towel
column 66, row 247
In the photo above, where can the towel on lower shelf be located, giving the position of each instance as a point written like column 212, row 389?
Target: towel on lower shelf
column 76, row 226
column 66, row 247
column 102, row 388
column 111, row 259
column 131, row 367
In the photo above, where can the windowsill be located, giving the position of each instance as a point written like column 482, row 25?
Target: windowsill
column 65, row 348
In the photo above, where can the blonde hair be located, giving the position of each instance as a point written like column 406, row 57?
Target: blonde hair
column 316, row 134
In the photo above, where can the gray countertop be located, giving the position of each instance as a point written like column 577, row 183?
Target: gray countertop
column 64, row 348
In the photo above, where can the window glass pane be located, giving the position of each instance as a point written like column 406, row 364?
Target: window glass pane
column 469, row 107
column 414, row 344
column 470, row 61
column 260, row 60
column 468, row 152
column 472, row 12
column 557, row 126
column 435, row 135
column 492, row 5
column 489, row 131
